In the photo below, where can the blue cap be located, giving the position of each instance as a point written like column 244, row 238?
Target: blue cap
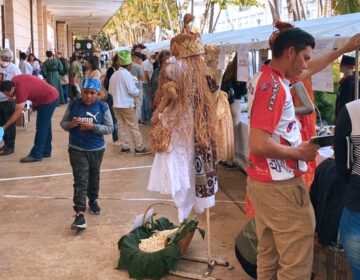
column 92, row 83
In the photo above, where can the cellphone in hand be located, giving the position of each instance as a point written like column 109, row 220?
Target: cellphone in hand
column 323, row 141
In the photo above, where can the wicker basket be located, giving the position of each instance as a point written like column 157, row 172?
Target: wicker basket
column 331, row 265
column 185, row 241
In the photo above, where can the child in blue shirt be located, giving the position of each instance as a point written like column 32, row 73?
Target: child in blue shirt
column 87, row 119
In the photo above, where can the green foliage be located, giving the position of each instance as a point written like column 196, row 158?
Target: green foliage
column 325, row 101
column 136, row 21
column 141, row 265
column 102, row 42
column 342, row 7
column 223, row 4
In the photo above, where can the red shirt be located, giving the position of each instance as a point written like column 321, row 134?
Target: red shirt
column 271, row 109
column 29, row 87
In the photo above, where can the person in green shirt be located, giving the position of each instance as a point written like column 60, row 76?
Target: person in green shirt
column 76, row 76
column 51, row 70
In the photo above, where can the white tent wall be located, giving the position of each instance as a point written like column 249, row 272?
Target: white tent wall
column 341, row 27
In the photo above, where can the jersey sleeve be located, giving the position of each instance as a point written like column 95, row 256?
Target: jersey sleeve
column 268, row 105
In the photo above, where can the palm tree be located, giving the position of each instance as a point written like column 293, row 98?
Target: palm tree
column 342, row 7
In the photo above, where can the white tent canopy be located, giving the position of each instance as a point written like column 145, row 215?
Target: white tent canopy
column 332, row 27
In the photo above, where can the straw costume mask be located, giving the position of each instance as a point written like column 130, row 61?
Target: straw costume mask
column 188, row 77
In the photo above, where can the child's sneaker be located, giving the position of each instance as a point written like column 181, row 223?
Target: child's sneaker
column 94, row 207
column 79, row 222
column 142, row 152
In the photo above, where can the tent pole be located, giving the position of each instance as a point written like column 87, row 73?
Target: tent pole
column 356, row 75
column 208, row 236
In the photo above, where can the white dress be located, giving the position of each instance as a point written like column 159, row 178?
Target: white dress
column 173, row 172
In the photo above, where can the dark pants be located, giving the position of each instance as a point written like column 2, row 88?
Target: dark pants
column 7, row 108
column 86, row 172
column 43, row 135
column 146, row 112
column 110, row 102
column 65, row 89
column 350, row 238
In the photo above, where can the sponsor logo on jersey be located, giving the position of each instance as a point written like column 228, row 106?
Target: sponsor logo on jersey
column 265, row 86
column 279, row 165
column 274, row 94
column 290, row 126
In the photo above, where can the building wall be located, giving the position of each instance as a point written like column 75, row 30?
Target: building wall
column 9, row 23
column 45, row 43
column 40, row 27
column 20, row 38
column 70, row 43
column 61, row 38
column 47, row 34
column 18, row 29
column 35, row 28
column 1, row 28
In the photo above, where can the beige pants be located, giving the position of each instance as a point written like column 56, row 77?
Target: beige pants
column 127, row 118
column 138, row 104
column 285, row 224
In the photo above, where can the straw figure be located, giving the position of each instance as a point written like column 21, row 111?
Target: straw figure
column 225, row 145
column 184, row 134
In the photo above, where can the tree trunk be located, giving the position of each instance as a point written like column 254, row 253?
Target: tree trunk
column 325, row 8
column 302, row 9
column 229, row 20
column 211, row 22
column 207, row 6
column 290, row 9
column 169, row 17
column 274, row 7
column 216, row 21
column 297, row 13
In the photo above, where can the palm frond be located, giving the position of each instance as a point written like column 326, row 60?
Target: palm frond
column 342, row 7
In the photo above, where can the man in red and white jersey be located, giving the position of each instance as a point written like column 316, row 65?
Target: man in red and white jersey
column 284, row 216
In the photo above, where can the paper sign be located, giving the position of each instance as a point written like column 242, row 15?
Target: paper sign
column 221, row 62
column 323, row 80
column 139, row 219
column 242, row 63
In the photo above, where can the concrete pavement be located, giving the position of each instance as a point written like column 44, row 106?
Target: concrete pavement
column 36, row 212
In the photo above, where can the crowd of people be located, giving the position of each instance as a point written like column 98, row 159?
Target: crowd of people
column 179, row 91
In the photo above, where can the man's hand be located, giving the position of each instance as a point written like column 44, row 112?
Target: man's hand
column 317, row 64
column 84, row 126
column 307, row 151
column 74, row 122
column 352, row 44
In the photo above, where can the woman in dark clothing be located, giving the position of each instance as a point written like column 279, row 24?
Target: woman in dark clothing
column 163, row 56
column 347, row 156
column 115, row 66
